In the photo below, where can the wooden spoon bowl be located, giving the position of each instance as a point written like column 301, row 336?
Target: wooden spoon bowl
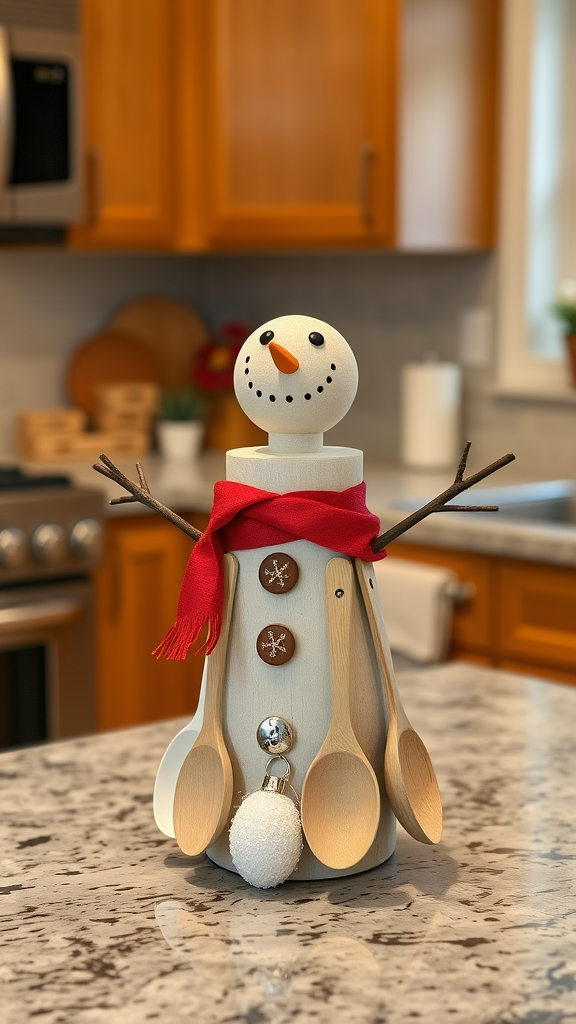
column 420, row 785
column 340, row 796
column 352, row 818
column 409, row 777
column 204, row 789
column 201, row 799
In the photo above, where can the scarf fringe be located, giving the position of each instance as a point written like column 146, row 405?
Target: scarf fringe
column 184, row 633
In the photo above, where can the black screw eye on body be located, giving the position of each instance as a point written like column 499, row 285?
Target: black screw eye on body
column 266, row 337
column 315, row 338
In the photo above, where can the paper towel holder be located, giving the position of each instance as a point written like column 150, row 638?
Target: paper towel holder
column 430, row 418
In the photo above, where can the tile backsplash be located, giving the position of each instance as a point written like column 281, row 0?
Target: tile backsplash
column 391, row 307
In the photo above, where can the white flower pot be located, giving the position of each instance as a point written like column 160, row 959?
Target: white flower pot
column 180, row 441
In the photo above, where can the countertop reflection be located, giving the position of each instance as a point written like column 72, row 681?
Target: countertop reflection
column 104, row 920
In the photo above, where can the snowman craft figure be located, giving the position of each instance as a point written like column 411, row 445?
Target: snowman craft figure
column 300, row 728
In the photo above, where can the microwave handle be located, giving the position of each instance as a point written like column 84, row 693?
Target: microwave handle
column 6, row 109
column 55, row 611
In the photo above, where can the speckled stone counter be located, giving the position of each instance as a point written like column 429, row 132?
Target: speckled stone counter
column 103, row 920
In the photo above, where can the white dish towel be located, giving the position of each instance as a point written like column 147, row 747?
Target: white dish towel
column 417, row 607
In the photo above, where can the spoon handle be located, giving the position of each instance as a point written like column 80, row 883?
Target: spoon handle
column 204, row 788
column 366, row 579
column 217, row 660
column 340, row 588
column 406, row 760
column 341, row 795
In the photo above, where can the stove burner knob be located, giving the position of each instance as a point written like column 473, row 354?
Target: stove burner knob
column 49, row 543
column 86, row 539
column 12, row 547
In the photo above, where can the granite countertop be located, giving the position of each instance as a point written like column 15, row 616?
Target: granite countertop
column 104, row 920
column 188, row 488
column 394, row 493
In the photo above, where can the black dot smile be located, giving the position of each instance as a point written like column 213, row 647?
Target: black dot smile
column 264, row 340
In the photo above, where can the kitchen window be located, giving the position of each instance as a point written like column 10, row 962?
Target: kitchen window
column 538, row 194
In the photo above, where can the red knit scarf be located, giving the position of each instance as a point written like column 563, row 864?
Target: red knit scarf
column 246, row 517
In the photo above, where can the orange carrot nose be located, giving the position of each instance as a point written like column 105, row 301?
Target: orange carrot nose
column 285, row 361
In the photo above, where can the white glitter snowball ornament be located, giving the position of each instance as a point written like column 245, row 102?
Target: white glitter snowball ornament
column 266, row 835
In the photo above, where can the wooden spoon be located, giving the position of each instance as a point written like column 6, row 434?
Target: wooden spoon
column 204, row 789
column 409, row 777
column 340, row 796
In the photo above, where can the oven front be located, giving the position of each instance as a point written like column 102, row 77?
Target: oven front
column 47, row 662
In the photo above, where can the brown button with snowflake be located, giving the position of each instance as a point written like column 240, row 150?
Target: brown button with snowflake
column 275, row 644
column 278, row 573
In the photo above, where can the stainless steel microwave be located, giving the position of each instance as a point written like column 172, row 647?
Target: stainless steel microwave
column 40, row 126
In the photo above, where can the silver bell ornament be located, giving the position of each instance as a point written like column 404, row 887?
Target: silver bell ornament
column 266, row 833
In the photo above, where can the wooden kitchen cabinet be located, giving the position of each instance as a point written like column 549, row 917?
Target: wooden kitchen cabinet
column 522, row 617
column 137, row 592
column 129, row 124
column 537, row 614
column 226, row 124
column 302, row 97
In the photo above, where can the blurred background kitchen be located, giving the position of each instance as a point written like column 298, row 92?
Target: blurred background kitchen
column 175, row 173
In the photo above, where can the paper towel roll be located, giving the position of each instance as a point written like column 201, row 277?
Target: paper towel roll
column 430, row 426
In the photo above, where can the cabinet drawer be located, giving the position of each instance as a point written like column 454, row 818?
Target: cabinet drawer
column 472, row 626
column 537, row 613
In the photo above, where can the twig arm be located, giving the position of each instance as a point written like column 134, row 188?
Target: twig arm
column 141, row 493
column 438, row 504
column 461, row 468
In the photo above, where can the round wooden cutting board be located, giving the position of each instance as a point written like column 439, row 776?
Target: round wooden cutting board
column 170, row 329
column 109, row 358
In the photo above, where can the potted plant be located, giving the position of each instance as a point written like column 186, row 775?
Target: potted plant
column 180, row 426
column 565, row 309
column 212, row 372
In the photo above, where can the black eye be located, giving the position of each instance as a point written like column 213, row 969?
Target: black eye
column 266, row 337
column 315, row 338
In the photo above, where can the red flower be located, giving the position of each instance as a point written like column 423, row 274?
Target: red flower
column 213, row 366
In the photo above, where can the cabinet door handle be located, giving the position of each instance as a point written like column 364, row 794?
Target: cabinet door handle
column 94, row 182
column 39, row 614
column 461, row 593
column 365, row 183
column 6, row 109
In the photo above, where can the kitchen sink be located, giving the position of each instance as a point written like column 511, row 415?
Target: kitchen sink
column 559, row 511
column 549, row 501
